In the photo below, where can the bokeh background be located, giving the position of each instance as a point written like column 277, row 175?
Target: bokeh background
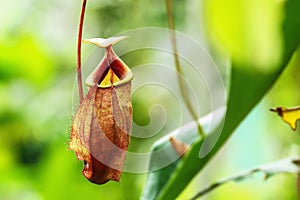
column 37, row 84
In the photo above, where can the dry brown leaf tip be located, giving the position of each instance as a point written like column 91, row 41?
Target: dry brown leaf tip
column 180, row 147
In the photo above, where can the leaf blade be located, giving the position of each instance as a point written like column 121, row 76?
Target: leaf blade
column 256, row 84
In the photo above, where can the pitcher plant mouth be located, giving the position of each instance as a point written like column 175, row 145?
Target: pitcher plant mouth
column 106, row 84
column 111, row 71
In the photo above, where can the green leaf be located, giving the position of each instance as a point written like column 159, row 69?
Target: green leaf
column 157, row 178
column 249, row 83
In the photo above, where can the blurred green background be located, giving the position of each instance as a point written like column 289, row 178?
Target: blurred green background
column 37, row 78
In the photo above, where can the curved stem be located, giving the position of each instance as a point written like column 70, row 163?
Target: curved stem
column 286, row 165
column 79, row 75
column 182, row 85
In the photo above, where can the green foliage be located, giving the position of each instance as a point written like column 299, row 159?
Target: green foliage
column 249, row 83
column 157, row 179
column 37, row 74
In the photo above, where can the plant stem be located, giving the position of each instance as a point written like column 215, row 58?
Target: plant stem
column 79, row 74
column 287, row 165
column 182, row 85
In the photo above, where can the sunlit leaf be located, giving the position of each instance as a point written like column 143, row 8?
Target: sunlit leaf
column 249, row 83
column 288, row 115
